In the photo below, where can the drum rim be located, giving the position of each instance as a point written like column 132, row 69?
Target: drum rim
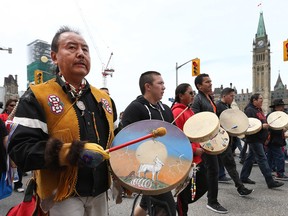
column 255, row 130
column 244, row 121
column 151, row 191
column 219, row 151
column 282, row 113
column 213, row 132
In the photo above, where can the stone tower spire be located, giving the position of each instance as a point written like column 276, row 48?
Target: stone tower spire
column 279, row 84
column 261, row 64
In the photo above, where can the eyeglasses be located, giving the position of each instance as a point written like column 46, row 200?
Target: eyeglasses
column 191, row 93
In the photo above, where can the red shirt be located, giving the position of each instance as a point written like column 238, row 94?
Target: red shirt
column 4, row 116
column 176, row 110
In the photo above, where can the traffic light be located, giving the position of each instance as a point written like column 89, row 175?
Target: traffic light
column 38, row 77
column 195, row 67
column 285, row 50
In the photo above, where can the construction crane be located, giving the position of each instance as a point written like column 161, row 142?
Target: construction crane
column 107, row 72
column 7, row 49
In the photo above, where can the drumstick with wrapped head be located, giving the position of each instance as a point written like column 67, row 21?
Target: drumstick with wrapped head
column 161, row 131
column 94, row 154
column 188, row 106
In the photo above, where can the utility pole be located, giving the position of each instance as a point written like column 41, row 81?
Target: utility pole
column 177, row 67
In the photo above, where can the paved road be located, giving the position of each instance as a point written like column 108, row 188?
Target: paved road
column 262, row 202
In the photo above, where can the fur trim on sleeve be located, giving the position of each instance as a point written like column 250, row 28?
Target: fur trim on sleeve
column 51, row 155
column 74, row 153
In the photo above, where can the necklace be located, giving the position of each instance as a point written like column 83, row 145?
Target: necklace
column 81, row 106
column 75, row 93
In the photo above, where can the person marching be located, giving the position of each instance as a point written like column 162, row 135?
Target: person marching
column 9, row 106
column 256, row 145
column 275, row 153
column 203, row 101
column 226, row 157
column 149, row 106
column 5, row 180
column 184, row 96
column 60, row 130
column 17, row 173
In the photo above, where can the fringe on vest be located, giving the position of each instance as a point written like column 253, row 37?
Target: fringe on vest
column 67, row 183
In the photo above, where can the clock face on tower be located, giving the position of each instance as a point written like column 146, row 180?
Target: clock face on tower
column 260, row 43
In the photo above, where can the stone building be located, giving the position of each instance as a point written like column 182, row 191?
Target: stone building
column 280, row 90
column 9, row 90
column 261, row 74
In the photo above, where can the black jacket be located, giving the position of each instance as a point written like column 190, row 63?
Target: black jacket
column 201, row 103
column 141, row 109
column 254, row 112
column 27, row 144
column 221, row 106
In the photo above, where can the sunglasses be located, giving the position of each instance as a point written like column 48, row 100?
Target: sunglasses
column 191, row 93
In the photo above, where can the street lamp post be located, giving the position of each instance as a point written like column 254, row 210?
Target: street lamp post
column 177, row 67
column 7, row 49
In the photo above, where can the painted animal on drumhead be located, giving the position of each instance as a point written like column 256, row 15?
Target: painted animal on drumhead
column 153, row 168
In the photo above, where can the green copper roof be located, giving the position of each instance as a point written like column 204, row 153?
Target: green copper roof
column 261, row 32
column 279, row 84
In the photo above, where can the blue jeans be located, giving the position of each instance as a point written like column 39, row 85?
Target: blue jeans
column 19, row 183
column 275, row 157
column 256, row 150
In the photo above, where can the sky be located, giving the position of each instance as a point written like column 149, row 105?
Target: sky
column 149, row 35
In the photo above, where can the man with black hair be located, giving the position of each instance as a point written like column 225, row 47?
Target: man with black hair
column 256, row 145
column 204, row 102
column 61, row 128
column 226, row 158
column 149, row 106
column 275, row 154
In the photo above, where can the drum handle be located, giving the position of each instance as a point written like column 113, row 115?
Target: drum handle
column 188, row 106
column 161, row 131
